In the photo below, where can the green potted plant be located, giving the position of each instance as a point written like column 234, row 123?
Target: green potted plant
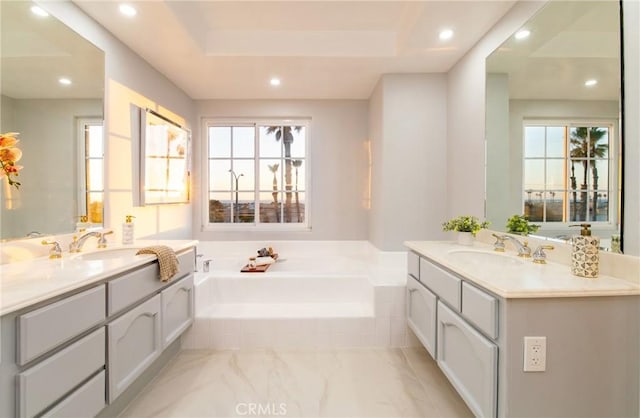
column 466, row 226
column 519, row 224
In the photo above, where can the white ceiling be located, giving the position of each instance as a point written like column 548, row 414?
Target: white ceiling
column 319, row 49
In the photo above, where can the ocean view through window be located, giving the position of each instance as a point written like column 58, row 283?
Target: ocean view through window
column 257, row 174
column 569, row 175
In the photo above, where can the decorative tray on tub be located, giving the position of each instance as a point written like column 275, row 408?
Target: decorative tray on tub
column 260, row 268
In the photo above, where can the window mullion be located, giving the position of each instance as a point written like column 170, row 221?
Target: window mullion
column 256, row 181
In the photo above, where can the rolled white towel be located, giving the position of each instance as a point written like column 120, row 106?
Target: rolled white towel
column 261, row 261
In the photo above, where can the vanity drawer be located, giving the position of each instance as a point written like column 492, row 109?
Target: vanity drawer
column 43, row 329
column 49, row 380
column 138, row 284
column 443, row 284
column 85, row 401
column 413, row 264
column 480, row 308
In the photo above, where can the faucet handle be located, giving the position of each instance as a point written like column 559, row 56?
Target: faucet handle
column 525, row 251
column 102, row 241
column 206, row 265
column 499, row 244
column 55, row 251
column 539, row 256
column 74, row 245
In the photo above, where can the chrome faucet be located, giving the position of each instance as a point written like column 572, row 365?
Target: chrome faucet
column 539, row 256
column 499, row 244
column 522, row 247
column 55, row 251
column 77, row 243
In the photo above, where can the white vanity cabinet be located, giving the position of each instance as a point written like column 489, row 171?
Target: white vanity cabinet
column 457, row 324
column 134, row 343
column 469, row 360
column 483, row 317
column 75, row 354
column 421, row 313
column 177, row 310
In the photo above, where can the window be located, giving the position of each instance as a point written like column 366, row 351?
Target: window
column 257, row 173
column 91, row 149
column 568, row 172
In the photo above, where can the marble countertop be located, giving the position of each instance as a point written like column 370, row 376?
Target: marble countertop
column 31, row 281
column 512, row 277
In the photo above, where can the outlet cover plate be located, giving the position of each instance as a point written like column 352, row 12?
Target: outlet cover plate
column 535, row 354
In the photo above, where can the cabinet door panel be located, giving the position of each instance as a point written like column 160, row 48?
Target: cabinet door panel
column 421, row 314
column 138, row 284
column 177, row 310
column 481, row 309
column 469, row 360
column 48, row 381
column 85, row 401
column 442, row 283
column 413, row 264
column 43, row 329
column 134, row 343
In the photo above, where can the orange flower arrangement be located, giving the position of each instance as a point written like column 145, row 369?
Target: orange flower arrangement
column 9, row 154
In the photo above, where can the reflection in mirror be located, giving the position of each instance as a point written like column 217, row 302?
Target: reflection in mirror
column 552, row 121
column 52, row 94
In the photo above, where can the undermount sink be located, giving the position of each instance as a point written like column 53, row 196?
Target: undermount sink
column 106, row 254
column 484, row 258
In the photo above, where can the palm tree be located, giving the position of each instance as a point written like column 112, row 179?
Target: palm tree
column 285, row 133
column 274, row 169
column 297, row 164
column 585, row 147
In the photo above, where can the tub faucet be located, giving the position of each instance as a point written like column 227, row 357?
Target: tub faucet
column 206, row 264
column 522, row 247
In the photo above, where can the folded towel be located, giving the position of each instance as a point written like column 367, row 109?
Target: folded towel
column 167, row 260
column 261, row 261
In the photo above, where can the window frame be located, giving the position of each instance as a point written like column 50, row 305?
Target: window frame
column 83, row 190
column 613, row 159
column 256, row 123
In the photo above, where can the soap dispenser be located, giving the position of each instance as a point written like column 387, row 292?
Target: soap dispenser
column 83, row 224
column 128, row 230
column 585, row 258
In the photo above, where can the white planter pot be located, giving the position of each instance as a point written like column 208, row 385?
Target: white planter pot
column 465, row 238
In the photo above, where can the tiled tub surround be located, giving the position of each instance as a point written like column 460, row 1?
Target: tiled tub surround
column 472, row 316
column 318, row 295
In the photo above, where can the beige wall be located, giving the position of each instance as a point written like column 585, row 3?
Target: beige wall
column 130, row 81
column 408, row 132
column 338, row 163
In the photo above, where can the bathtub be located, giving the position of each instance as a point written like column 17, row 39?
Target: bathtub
column 327, row 294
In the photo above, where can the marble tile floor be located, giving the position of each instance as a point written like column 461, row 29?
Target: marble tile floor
column 350, row 383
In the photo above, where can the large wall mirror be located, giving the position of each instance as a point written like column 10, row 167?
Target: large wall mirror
column 553, row 121
column 52, row 94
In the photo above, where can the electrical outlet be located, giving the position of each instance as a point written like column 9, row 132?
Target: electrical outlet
column 535, row 354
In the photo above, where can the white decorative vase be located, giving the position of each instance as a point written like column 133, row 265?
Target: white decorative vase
column 465, row 238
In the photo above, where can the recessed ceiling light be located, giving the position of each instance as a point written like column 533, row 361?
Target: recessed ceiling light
column 275, row 81
column 64, row 81
column 591, row 83
column 39, row 11
column 522, row 34
column 446, row 34
column 128, row 10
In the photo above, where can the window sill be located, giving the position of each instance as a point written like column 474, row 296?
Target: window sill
column 256, row 228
